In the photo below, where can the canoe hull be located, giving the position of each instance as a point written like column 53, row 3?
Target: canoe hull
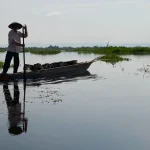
column 49, row 73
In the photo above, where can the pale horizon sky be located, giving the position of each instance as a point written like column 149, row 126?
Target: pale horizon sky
column 78, row 21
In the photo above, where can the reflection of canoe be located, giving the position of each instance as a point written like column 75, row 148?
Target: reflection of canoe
column 51, row 72
column 67, row 77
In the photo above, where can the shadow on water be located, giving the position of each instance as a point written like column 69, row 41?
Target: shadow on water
column 16, row 117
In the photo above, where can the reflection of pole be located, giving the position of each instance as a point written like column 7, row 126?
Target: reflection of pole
column 24, row 107
column 24, row 120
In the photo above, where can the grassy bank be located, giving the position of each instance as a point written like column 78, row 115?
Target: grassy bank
column 38, row 51
column 42, row 51
column 2, row 50
column 2, row 63
column 89, row 50
column 112, row 50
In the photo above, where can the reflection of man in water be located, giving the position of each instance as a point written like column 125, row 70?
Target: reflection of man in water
column 15, row 116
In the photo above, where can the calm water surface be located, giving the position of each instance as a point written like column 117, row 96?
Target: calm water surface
column 108, row 110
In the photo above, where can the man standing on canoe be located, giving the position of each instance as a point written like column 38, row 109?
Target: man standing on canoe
column 14, row 46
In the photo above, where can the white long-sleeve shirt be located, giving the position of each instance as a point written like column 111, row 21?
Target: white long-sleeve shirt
column 12, row 35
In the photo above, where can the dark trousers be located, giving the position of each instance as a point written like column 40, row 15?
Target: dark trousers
column 9, row 56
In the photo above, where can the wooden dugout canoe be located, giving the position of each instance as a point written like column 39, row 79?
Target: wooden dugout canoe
column 49, row 73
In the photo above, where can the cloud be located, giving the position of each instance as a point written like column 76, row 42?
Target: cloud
column 54, row 14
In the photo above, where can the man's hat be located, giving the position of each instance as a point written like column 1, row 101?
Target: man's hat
column 15, row 25
column 15, row 130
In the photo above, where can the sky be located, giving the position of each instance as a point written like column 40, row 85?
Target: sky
column 68, row 22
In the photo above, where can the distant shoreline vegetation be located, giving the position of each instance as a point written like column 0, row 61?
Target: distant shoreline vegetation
column 118, row 50
column 112, row 50
column 42, row 51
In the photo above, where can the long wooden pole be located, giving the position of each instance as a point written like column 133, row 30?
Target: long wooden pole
column 24, row 58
